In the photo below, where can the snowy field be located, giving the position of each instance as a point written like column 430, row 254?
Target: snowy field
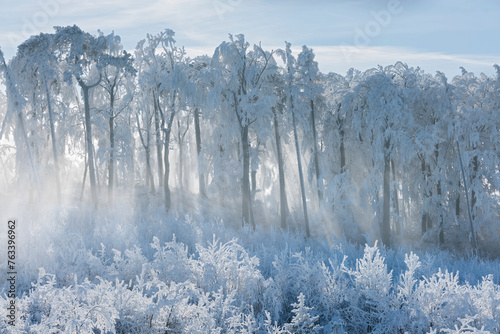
column 134, row 270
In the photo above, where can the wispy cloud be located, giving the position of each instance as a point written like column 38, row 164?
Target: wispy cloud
column 341, row 58
column 434, row 35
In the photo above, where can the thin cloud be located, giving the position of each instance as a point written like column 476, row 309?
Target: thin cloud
column 341, row 58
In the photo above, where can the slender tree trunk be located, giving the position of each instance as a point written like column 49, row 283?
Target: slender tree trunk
column 245, row 185
column 254, row 183
column 395, row 199
column 473, row 199
column 149, row 171
column 201, row 176
column 90, row 150
column 146, row 144
column 319, row 186
column 252, row 200
column 98, row 179
column 180, row 138
column 84, row 178
column 166, row 161
column 166, row 188
column 281, row 172
column 441, row 222
column 426, row 219
column 253, row 179
column 439, row 193
column 34, row 173
column 158, row 139
column 301, row 176
column 111, row 166
column 54, row 143
column 342, row 147
column 386, row 215
column 469, row 210
column 181, row 154
column 457, row 201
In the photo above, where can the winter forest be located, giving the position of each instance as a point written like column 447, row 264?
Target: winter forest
column 244, row 191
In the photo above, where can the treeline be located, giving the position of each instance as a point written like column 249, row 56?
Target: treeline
column 391, row 152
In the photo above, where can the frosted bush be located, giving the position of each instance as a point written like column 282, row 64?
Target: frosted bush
column 371, row 304
column 171, row 260
column 412, row 318
column 262, row 283
column 230, row 267
column 442, row 299
column 302, row 321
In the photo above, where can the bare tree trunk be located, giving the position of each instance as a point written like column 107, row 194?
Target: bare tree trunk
column 253, row 179
column 426, row 219
column 395, row 199
column 146, row 145
column 386, row 215
column 111, row 166
column 471, row 219
column 201, row 176
column 54, row 143
column 167, row 129
column 316, row 154
column 149, row 171
column 88, row 128
column 245, row 185
column 342, row 147
column 159, row 144
column 181, row 135
column 301, row 175
column 34, row 173
column 439, row 193
column 84, row 178
column 181, row 154
column 473, row 199
column 166, row 188
column 281, row 172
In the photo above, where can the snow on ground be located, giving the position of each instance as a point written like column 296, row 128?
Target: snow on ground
column 134, row 269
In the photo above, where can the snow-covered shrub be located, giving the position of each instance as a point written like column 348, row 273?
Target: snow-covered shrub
column 442, row 299
column 229, row 267
column 371, row 304
column 302, row 321
column 411, row 317
column 486, row 304
column 127, row 267
column 171, row 260
column 80, row 308
column 264, row 281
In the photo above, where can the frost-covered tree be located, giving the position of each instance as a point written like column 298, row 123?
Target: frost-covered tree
column 114, row 79
column 475, row 127
column 311, row 90
column 16, row 102
column 342, row 149
column 165, row 76
column 241, row 79
column 144, row 120
column 37, row 71
column 82, row 55
column 381, row 112
column 292, row 95
column 199, row 67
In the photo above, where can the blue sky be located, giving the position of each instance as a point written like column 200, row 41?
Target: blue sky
column 433, row 34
